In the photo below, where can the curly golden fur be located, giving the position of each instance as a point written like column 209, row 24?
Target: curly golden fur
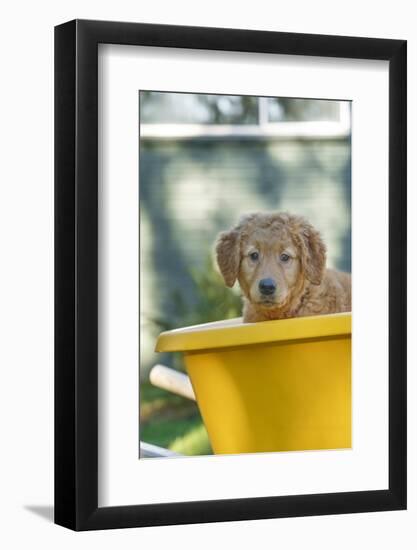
column 280, row 263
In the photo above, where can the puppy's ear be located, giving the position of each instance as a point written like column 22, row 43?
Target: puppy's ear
column 228, row 255
column 313, row 256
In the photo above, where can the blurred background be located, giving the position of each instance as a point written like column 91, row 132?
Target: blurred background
column 204, row 161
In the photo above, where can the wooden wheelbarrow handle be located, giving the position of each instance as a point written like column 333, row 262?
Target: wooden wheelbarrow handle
column 171, row 380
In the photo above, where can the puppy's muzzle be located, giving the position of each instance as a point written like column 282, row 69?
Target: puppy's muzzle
column 267, row 287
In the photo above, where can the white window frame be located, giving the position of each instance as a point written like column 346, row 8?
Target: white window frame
column 321, row 129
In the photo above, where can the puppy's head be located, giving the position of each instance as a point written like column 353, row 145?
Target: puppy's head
column 272, row 256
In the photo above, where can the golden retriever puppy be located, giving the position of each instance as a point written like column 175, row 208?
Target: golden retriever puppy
column 280, row 263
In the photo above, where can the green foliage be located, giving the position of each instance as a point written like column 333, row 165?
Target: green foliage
column 194, row 442
column 210, row 301
column 165, row 431
column 171, row 421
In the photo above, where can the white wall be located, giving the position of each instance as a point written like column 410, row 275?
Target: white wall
column 26, row 300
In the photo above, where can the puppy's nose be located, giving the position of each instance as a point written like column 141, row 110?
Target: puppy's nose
column 267, row 286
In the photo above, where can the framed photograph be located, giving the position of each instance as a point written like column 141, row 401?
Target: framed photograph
column 230, row 254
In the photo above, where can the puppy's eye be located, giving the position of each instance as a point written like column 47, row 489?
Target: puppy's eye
column 254, row 256
column 284, row 257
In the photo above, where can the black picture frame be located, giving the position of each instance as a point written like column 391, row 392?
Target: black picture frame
column 76, row 272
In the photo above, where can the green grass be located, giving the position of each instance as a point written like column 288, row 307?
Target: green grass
column 194, row 442
column 168, row 420
column 149, row 393
column 171, row 421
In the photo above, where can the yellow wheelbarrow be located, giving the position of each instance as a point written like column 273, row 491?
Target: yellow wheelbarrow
column 272, row 386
